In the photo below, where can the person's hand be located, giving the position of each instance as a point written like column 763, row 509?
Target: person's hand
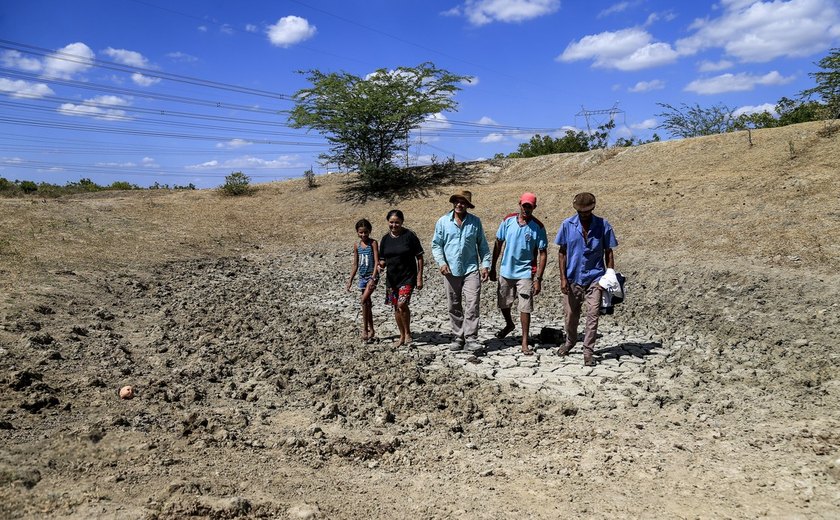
column 564, row 286
column 492, row 275
column 444, row 269
column 537, row 286
column 485, row 275
column 348, row 286
column 419, row 283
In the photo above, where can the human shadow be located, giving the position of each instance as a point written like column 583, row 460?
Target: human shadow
column 630, row 348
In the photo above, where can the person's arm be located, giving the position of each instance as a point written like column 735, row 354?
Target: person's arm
column 561, row 265
column 542, row 257
column 483, row 253
column 420, row 271
column 355, row 267
column 438, row 241
column 375, row 246
column 609, row 258
column 497, row 250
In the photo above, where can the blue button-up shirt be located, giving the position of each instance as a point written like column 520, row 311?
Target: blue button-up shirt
column 523, row 242
column 462, row 247
column 585, row 259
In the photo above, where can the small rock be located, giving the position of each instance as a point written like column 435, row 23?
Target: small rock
column 486, row 473
column 304, row 512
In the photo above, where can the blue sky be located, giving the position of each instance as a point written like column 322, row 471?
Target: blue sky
column 183, row 92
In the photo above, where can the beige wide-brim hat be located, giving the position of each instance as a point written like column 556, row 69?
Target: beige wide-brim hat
column 463, row 195
column 584, row 202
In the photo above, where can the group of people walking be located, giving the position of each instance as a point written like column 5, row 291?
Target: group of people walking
column 460, row 249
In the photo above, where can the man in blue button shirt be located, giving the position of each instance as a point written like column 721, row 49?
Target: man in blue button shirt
column 586, row 252
column 461, row 250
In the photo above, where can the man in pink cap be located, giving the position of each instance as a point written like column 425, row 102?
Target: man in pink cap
column 522, row 243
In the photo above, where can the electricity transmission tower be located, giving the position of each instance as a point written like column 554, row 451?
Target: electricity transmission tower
column 592, row 116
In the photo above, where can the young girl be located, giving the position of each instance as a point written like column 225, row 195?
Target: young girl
column 366, row 263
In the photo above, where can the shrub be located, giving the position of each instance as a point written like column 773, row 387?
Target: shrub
column 237, row 183
column 123, row 185
column 310, row 179
column 28, row 187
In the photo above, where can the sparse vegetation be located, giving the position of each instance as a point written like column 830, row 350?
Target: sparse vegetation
column 19, row 188
column 236, row 184
column 309, row 175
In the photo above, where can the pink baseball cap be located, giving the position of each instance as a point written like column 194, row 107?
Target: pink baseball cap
column 528, row 198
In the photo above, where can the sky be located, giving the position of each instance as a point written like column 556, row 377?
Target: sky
column 188, row 91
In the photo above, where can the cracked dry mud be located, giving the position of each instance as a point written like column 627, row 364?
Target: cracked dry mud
column 715, row 395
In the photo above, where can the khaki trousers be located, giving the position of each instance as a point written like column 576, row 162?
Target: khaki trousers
column 572, row 304
column 463, row 293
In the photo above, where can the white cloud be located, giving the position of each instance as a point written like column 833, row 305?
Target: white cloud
column 626, row 49
column 24, row 89
column 143, row 80
column 126, row 57
column 735, row 82
column 249, row 162
column 132, row 59
column 251, row 28
column 494, row 137
column 482, row 12
column 647, row 124
column 16, row 60
column 755, row 109
column 117, row 165
column 614, row 9
column 202, row 28
column 181, row 57
column 647, row 86
column 486, row 121
column 226, row 29
column 714, row 66
column 435, row 122
column 760, row 31
column 149, row 162
column 69, row 60
column 98, row 107
column 233, row 144
column 290, row 30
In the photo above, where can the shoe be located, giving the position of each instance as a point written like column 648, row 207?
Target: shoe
column 474, row 346
column 456, row 346
column 587, row 358
column 564, row 351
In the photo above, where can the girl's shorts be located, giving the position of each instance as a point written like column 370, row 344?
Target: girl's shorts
column 401, row 295
column 364, row 280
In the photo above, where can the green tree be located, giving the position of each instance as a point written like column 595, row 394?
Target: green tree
column 827, row 83
column 27, row 186
column 694, row 121
column 237, row 183
column 544, row 145
column 367, row 121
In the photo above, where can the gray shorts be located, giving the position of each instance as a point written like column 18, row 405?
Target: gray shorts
column 516, row 289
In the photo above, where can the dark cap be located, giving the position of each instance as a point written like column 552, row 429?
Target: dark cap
column 584, row 202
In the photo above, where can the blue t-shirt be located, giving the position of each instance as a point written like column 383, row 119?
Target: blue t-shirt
column 585, row 259
column 522, row 244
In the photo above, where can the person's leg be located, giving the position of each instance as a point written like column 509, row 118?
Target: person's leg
column 406, row 319
column 524, row 292
column 571, row 311
column 593, row 303
column 399, row 318
column 367, row 308
column 454, row 286
column 505, row 293
column 471, row 292
column 525, row 318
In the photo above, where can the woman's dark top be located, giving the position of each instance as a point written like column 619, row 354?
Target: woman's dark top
column 400, row 255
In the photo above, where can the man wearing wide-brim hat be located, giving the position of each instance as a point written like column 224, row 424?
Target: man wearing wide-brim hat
column 586, row 252
column 463, row 254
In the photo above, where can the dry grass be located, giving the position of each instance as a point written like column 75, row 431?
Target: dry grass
column 711, row 199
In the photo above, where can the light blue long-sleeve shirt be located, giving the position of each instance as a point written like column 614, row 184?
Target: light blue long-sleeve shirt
column 463, row 248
